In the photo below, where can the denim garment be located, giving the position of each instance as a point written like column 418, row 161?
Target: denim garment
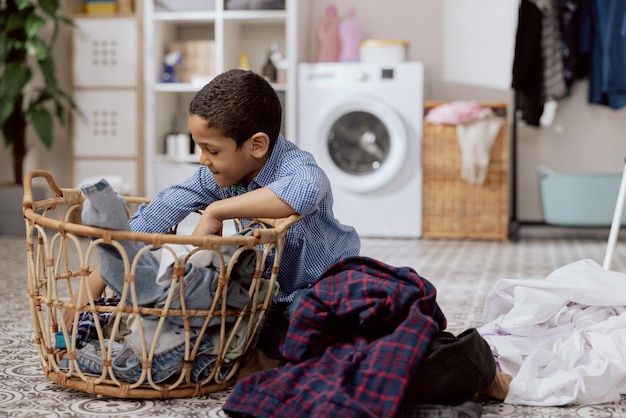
column 126, row 362
column 200, row 280
column 203, row 367
column 112, row 272
column 169, row 352
column 200, row 284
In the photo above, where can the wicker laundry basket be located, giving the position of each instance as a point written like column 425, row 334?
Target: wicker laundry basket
column 61, row 253
column 452, row 207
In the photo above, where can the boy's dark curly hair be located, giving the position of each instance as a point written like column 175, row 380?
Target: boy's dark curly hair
column 239, row 103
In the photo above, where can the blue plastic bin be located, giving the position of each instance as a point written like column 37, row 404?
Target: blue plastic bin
column 579, row 199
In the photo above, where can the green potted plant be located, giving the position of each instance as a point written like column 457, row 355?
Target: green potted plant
column 23, row 51
column 29, row 91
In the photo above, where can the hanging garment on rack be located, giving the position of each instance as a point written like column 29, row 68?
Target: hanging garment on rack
column 545, row 63
column 527, row 80
column 575, row 62
column 602, row 39
column 554, row 87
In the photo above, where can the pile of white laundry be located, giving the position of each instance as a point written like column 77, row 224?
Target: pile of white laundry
column 562, row 338
column 477, row 128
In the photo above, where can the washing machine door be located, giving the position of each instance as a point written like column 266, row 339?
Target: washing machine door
column 364, row 144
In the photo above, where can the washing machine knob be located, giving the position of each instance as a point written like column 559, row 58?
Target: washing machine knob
column 361, row 76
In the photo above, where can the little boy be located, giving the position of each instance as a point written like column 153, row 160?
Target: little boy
column 249, row 170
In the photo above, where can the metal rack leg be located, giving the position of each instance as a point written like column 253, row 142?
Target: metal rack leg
column 617, row 221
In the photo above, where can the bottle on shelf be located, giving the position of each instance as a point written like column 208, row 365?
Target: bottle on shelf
column 172, row 59
column 328, row 43
column 243, row 61
column 350, row 36
column 269, row 70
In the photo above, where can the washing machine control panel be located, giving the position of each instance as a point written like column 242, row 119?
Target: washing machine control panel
column 355, row 75
column 361, row 76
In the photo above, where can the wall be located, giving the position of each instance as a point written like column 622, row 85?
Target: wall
column 582, row 138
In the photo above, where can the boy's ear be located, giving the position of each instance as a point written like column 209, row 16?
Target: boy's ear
column 259, row 145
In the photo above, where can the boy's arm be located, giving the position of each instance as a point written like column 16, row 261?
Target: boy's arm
column 259, row 203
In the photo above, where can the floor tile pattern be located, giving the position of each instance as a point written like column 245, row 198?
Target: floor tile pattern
column 463, row 271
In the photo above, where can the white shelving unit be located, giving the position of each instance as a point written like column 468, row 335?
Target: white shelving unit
column 106, row 66
column 233, row 32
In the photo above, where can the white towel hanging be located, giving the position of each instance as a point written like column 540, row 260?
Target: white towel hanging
column 476, row 138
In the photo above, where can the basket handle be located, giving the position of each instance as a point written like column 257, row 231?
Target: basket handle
column 27, row 200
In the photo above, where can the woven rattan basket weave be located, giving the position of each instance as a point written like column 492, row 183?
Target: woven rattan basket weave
column 60, row 256
column 452, row 207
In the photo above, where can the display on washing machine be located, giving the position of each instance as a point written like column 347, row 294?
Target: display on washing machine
column 358, row 143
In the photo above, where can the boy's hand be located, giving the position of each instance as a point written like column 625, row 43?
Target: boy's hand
column 258, row 203
column 207, row 225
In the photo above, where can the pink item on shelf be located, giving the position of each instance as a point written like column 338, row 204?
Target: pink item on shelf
column 457, row 112
column 328, row 43
column 350, row 35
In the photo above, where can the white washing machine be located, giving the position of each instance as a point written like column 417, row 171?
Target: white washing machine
column 363, row 124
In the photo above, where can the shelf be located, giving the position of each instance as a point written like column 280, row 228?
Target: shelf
column 177, row 87
column 232, row 32
column 82, row 15
column 256, row 16
column 201, row 16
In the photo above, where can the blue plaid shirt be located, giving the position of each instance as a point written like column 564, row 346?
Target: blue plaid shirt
column 353, row 347
column 312, row 245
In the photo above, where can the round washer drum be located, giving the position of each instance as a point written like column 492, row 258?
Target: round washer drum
column 366, row 144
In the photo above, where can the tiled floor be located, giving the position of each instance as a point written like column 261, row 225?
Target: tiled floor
column 463, row 272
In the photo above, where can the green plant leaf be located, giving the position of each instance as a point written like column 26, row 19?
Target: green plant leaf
column 41, row 119
column 67, row 21
column 15, row 22
column 4, row 46
column 3, row 16
column 50, row 7
column 48, row 71
column 38, row 48
column 23, row 4
column 33, row 24
column 6, row 108
column 12, row 82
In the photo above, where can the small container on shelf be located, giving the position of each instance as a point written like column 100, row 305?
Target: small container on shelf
column 383, row 50
column 197, row 64
column 254, row 4
column 183, row 5
column 100, row 7
column 269, row 70
column 125, row 6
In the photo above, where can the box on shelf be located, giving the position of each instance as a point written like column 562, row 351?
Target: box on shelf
column 183, row 5
column 254, row 4
column 198, row 61
column 100, row 7
column 579, row 199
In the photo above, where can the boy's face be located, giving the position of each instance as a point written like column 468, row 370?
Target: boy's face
column 228, row 164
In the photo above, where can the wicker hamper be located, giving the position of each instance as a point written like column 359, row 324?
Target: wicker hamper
column 452, row 207
column 61, row 253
